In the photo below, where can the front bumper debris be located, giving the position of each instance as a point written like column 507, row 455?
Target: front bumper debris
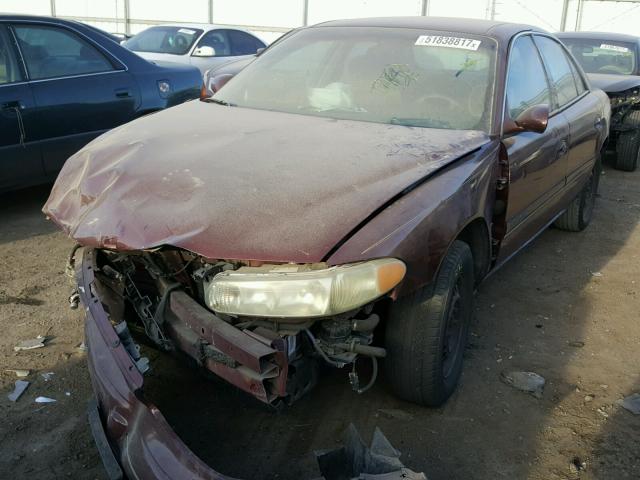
column 132, row 436
column 141, row 440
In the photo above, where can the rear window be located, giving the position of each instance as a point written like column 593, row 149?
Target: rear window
column 603, row 56
column 163, row 39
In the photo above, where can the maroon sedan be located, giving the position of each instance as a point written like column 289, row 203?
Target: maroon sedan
column 338, row 201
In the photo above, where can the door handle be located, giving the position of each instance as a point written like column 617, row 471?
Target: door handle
column 123, row 93
column 563, row 149
column 12, row 105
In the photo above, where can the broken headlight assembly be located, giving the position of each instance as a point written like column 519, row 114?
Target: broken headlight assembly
column 301, row 291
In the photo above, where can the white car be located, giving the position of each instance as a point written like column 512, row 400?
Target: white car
column 202, row 45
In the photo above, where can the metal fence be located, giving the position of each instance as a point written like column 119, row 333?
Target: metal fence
column 270, row 19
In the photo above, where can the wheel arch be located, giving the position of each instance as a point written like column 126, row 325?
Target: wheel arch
column 476, row 235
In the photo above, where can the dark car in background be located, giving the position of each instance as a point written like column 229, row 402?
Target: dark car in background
column 62, row 84
column 612, row 62
column 361, row 174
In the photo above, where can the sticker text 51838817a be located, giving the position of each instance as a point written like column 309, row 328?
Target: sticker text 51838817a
column 449, row 42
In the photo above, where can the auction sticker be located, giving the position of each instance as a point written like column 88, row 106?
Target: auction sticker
column 188, row 31
column 615, row 48
column 449, row 42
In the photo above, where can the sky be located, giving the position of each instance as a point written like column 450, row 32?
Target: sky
column 269, row 18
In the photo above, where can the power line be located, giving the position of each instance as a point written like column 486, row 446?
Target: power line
column 553, row 27
column 616, row 17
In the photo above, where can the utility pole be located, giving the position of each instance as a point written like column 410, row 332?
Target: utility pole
column 579, row 15
column 305, row 13
column 210, row 11
column 491, row 9
column 127, row 17
column 53, row 8
column 565, row 11
column 425, row 8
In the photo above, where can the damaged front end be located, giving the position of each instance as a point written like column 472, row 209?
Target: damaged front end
column 265, row 328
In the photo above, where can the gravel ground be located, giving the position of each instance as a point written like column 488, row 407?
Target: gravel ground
column 566, row 308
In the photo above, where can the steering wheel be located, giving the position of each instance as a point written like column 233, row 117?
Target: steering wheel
column 181, row 42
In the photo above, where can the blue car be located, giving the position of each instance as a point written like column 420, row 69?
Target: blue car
column 63, row 83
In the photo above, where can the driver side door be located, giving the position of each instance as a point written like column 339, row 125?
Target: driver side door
column 537, row 162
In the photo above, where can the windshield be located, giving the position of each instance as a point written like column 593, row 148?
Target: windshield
column 603, row 56
column 172, row 40
column 384, row 75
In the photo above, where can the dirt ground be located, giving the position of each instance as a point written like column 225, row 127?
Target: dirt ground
column 566, row 308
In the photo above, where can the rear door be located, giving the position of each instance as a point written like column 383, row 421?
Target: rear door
column 80, row 90
column 579, row 106
column 20, row 162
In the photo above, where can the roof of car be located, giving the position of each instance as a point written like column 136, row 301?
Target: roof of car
column 490, row 28
column 41, row 18
column 201, row 26
column 616, row 37
column 34, row 18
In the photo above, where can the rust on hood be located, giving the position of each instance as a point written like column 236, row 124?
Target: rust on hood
column 238, row 183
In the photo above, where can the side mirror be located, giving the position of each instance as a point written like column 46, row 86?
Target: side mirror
column 204, row 51
column 260, row 50
column 212, row 85
column 533, row 119
column 219, row 81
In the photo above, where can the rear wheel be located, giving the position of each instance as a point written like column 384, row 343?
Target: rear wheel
column 427, row 332
column 580, row 212
column 628, row 144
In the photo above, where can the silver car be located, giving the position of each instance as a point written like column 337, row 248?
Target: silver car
column 202, row 45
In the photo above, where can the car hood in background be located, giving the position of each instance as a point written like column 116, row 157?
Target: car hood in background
column 613, row 83
column 237, row 183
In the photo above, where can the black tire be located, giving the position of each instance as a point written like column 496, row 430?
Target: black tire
column 426, row 332
column 628, row 144
column 580, row 211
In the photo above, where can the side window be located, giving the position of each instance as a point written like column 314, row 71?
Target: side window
column 243, row 44
column 51, row 52
column 579, row 82
column 9, row 70
column 527, row 83
column 559, row 70
column 218, row 40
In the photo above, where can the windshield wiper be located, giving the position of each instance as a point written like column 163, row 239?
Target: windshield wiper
column 219, row 102
column 419, row 122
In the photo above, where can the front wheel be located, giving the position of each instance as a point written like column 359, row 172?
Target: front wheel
column 426, row 332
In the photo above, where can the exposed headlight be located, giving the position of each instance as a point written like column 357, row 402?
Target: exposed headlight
column 164, row 88
column 296, row 291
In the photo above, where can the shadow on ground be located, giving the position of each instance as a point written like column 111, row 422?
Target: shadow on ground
column 21, row 216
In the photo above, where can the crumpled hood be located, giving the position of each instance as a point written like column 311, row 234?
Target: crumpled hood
column 237, row 183
column 613, row 83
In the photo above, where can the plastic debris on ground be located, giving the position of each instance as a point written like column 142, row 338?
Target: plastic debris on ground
column 20, row 373
column 529, row 382
column 47, row 376
column 354, row 460
column 31, row 344
column 21, row 386
column 632, row 403
column 45, row 400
